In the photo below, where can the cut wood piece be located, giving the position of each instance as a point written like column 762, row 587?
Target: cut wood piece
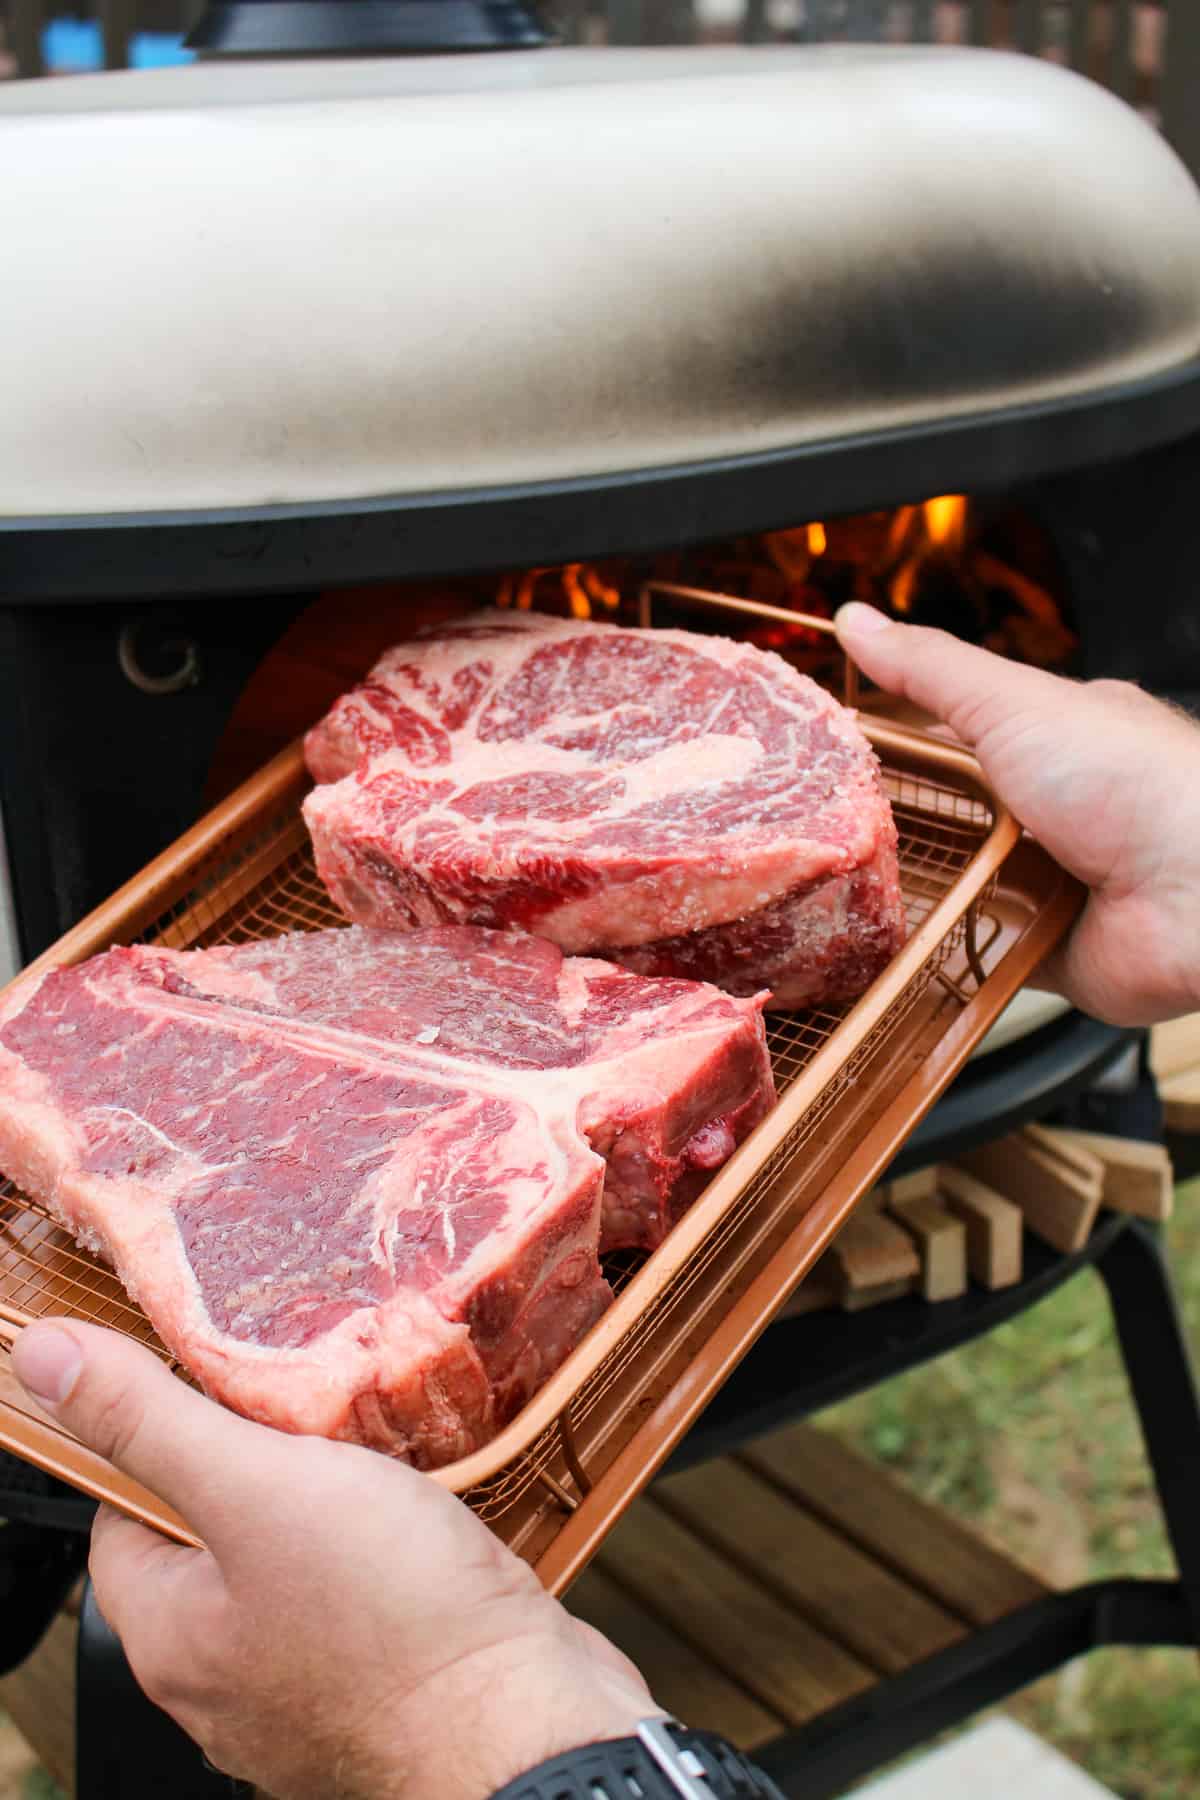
column 872, row 1251
column 1180, row 1096
column 922, row 1184
column 1175, row 1047
column 1059, row 1204
column 39, row 1698
column 834, row 1585
column 994, row 1228
column 749, row 1633
column 1066, row 1147
column 941, row 1242
column 920, row 1542
column 859, row 1299
column 681, row 1679
column 1138, row 1177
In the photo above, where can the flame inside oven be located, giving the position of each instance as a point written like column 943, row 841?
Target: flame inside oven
column 990, row 578
column 986, row 571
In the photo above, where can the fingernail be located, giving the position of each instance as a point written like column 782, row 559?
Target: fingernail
column 860, row 619
column 47, row 1361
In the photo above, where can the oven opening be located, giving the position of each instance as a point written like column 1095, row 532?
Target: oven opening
column 986, row 572
column 197, row 693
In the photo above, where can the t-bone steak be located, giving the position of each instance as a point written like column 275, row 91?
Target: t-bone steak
column 359, row 1180
column 682, row 804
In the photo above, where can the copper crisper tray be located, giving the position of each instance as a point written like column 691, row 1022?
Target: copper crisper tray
column 852, row 1086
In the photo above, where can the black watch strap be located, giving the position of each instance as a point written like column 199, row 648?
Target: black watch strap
column 665, row 1761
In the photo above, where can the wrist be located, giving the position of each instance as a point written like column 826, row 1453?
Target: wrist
column 662, row 1760
column 495, row 1716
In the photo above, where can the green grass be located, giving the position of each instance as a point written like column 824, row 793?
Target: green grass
column 39, row 1786
column 1030, row 1434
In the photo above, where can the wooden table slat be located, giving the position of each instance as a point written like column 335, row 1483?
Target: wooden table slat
column 39, row 1698
column 840, row 1589
column 680, row 1678
column 747, row 1632
column 919, row 1542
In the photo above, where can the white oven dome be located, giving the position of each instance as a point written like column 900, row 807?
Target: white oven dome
column 241, row 286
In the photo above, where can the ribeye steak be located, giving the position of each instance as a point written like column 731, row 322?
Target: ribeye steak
column 683, row 804
column 359, row 1180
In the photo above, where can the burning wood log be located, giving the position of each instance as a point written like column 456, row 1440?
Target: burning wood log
column 931, row 562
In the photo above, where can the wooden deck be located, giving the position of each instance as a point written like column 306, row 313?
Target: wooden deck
column 758, row 1591
column 754, row 1593
column 39, row 1699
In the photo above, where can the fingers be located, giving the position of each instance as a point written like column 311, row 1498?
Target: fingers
column 969, row 688
column 121, row 1401
column 170, row 1609
column 131, row 1566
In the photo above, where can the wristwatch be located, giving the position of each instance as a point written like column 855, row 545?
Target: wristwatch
column 665, row 1761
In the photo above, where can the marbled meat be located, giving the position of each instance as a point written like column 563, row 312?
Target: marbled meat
column 682, row 804
column 359, row 1180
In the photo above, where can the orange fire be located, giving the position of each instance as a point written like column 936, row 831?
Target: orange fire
column 934, row 553
column 946, row 519
column 918, row 532
column 582, row 587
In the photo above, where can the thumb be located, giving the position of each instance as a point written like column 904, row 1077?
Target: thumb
column 120, row 1400
column 972, row 690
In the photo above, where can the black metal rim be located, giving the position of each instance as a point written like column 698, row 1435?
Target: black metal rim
column 236, row 28
column 1010, row 1087
column 282, row 549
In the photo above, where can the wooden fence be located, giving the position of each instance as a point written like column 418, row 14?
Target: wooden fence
column 1148, row 51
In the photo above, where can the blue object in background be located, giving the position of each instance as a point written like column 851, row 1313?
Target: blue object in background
column 72, row 46
column 76, row 47
column 157, row 50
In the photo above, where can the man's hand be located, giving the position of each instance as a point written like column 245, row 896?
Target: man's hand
column 352, row 1631
column 1104, row 777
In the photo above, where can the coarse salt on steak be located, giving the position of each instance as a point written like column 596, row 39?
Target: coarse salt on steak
column 683, row 804
column 358, row 1180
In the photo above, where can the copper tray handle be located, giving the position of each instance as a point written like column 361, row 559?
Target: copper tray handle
column 754, row 609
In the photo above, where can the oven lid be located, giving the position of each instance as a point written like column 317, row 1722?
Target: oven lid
column 237, row 291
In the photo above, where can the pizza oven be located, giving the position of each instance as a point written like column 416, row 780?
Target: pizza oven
column 389, row 337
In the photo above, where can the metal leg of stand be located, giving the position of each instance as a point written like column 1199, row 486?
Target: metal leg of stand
column 125, row 1748
column 38, row 1569
column 826, row 1757
column 1155, row 1350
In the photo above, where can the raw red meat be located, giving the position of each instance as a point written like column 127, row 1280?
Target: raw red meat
column 687, row 805
column 358, row 1180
